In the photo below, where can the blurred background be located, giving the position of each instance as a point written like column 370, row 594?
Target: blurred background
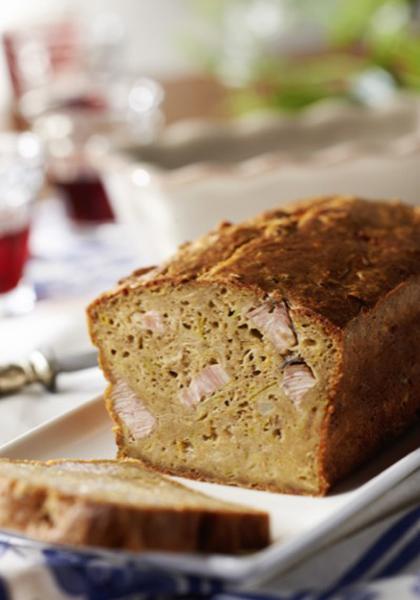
column 131, row 126
column 251, row 43
column 241, row 41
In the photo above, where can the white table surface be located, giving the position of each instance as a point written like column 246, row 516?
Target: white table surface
column 62, row 326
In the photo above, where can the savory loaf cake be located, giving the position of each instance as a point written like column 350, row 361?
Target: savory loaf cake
column 120, row 504
column 278, row 354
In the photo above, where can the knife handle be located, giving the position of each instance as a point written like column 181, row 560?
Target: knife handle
column 37, row 369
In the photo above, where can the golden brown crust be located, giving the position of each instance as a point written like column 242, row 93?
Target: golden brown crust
column 377, row 397
column 46, row 514
column 336, row 257
column 362, row 250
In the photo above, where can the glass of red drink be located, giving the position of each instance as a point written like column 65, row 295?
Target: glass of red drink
column 21, row 176
column 73, row 116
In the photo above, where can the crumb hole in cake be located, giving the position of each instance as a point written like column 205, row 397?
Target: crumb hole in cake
column 215, row 324
column 308, row 342
column 173, row 374
column 243, row 326
column 140, row 344
column 111, row 321
column 277, row 432
column 186, row 445
column 211, row 304
column 46, row 519
column 256, row 334
column 130, row 338
column 186, row 325
column 113, row 351
column 125, row 354
column 210, row 436
column 223, row 290
column 231, row 312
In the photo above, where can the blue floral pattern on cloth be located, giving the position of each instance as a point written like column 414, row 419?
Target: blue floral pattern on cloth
column 66, row 574
column 95, row 578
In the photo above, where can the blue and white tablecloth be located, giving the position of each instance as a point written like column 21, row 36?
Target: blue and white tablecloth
column 69, row 261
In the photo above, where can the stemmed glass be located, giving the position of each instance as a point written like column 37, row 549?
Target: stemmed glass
column 74, row 120
column 21, row 176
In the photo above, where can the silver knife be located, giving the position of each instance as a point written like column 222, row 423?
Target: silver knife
column 43, row 366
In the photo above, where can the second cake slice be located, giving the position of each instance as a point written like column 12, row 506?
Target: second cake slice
column 119, row 504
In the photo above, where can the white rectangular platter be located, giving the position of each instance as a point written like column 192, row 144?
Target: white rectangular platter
column 298, row 524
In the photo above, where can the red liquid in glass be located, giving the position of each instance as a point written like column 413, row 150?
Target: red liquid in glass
column 86, row 200
column 13, row 255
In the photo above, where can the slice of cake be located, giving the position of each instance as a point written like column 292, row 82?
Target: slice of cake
column 120, row 504
column 278, row 354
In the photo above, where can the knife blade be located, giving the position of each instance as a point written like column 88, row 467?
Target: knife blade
column 43, row 366
column 74, row 362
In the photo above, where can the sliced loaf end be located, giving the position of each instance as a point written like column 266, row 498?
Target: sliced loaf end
column 216, row 381
column 120, row 504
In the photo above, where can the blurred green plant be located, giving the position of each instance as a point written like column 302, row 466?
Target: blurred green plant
column 388, row 32
column 355, row 38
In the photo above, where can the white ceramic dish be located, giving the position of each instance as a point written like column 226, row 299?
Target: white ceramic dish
column 299, row 524
column 199, row 173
